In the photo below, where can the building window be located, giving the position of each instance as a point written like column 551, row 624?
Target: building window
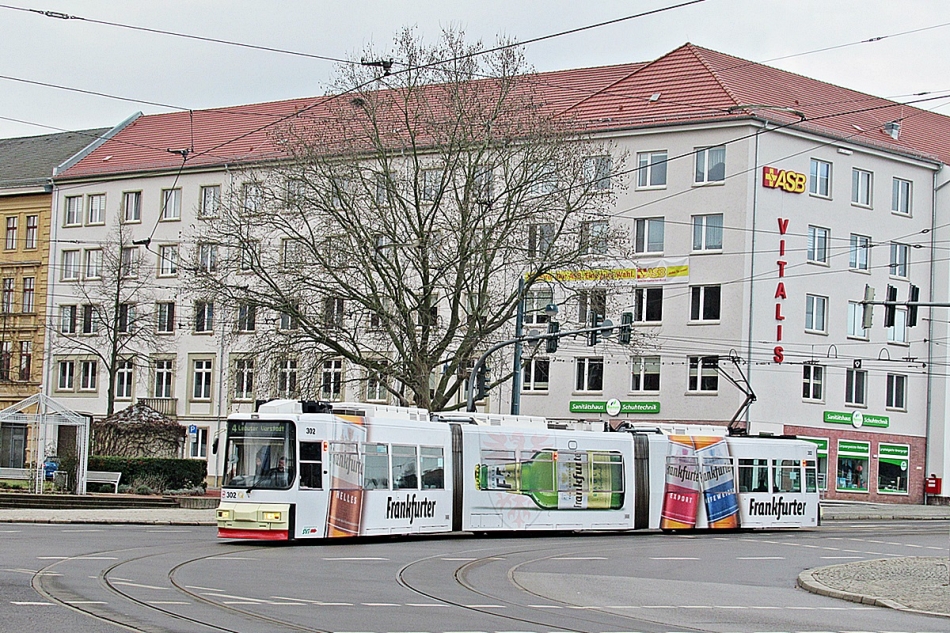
column 648, row 305
column 67, row 375
column 900, row 260
column 28, row 305
column 597, row 172
column 815, row 311
column 853, row 466
column 70, row 270
column 247, row 317
column 10, row 241
column 901, row 193
column 704, row 303
column 594, row 237
column 202, row 380
column 818, row 244
column 251, row 254
column 649, row 235
column 536, row 374
column 67, row 319
column 703, row 374
column 896, row 391
column 333, row 312
column 164, row 378
column 431, row 184
column 253, row 198
column 93, row 268
column 645, row 373
column 244, row 379
column 90, row 319
column 165, row 313
column 126, row 318
column 88, row 375
column 540, row 239
column 73, row 216
column 32, row 228
column 210, row 201
column 856, row 321
column 129, row 264
column 96, row 209
column 855, row 387
column 812, row 380
column 651, row 169
column 707, row 232
column 590, row 374
column 289, row 320
column 897, row 333
column 591, row 304
column 820, row 182
column 204, row 316
column 26, row 360
column 861, row 184
column 892, row 468
column 132, row 206
column 711, row 164
column 171, row 204
column 860, row 254
column 207, row 258
column 332, row 384
column 6, row 300
column 6, row 359
column 287, row 378
column 199, row 443
column 168, row 261
column 535, row 301
column 123, row 379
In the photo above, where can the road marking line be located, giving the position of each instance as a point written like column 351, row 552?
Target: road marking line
column 202, row 588
column 839, row 557
column 230, row 558
column 85, row 602
column 760, row 558
column 425, row 604
column 462, row 559
column 9, row 531
column 222, row 595
column 167, row 602
column 379, row 604
column 331, row 604
column 96, row 558
column 79, row 531
column 356, row 558
column 31, row 604
column 579, row 558
column 52, row 557
column 672, row 558
column 543, row 606
column 485, row 606
column 134, row 584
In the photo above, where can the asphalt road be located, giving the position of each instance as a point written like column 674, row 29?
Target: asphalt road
column 86, row 578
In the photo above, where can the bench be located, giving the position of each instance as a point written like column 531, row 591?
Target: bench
column 15, row 473
column 103, row 477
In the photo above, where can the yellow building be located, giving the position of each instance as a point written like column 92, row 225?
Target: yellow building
column 27, row 166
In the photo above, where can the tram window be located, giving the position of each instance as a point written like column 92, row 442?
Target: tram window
column 811, row 476
column 787, row 476
column 753, row 475
column 404, row 468
column 432, row 467
column 375, row 466
column 311, row 464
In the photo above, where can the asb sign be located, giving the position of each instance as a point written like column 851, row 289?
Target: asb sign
column 790, row 181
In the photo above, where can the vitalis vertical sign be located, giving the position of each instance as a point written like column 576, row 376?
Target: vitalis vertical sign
column 778, row 352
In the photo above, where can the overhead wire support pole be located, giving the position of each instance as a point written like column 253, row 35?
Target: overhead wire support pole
column 530, row 338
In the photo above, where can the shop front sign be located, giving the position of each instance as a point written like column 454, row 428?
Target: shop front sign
column 611, row 406
column 857, row 419
column 784, row 179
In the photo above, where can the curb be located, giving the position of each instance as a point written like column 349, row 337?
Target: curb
column 105, row 521
column 808, row 582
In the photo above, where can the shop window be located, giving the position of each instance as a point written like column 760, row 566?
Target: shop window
column 852, row 475
column 893, row 468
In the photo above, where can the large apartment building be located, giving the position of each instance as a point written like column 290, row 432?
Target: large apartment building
column 758, row 204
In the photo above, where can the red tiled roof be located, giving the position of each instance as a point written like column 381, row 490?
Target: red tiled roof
column 689, row 84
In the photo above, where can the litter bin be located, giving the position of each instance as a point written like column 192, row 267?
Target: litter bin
column 50, row 466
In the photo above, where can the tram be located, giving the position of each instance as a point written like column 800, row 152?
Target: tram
column 313, row 470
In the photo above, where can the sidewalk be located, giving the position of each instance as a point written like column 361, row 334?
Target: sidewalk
column 151, row 516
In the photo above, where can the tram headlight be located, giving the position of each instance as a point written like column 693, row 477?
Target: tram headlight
column 271, row 516
column 224, row 515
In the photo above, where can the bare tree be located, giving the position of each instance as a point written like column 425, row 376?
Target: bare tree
column 407, row 207
column 115, row 317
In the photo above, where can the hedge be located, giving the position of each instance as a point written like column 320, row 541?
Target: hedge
column 176, row 474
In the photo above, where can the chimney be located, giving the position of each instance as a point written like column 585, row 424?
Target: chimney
column 893, row 129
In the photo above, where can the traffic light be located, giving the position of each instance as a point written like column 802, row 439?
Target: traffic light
column 868, row 315
column 890, row 306
column 481, row 380
column 912, row 307
column 550, row 345
column 626, row 328
column 593, row 337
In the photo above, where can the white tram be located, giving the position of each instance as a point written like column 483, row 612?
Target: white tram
column 318, row 470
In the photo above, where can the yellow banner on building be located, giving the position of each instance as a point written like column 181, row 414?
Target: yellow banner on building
column 654, row 271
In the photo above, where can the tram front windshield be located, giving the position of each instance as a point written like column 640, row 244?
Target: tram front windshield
column 260, row 454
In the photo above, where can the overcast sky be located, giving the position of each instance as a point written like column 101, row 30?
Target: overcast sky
column 193, row 74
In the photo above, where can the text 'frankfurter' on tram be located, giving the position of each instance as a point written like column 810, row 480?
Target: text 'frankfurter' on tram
column 299, row 470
